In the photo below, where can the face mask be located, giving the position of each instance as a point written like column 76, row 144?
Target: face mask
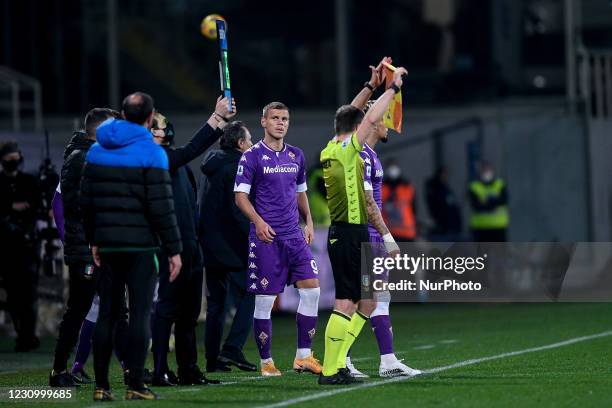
column 487, row 176
column 10, row 165
column 393, row 172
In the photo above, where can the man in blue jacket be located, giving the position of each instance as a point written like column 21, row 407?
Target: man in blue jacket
column 128, row 211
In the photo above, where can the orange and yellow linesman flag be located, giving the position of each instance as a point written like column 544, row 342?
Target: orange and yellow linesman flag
column 393, row 116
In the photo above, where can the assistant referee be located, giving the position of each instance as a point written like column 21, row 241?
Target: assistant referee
column 343, row 174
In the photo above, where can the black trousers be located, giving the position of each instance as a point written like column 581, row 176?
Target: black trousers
column 21, row 283
column 221, row 285
column 137, row 271
column 81, row 293
column 178, row 303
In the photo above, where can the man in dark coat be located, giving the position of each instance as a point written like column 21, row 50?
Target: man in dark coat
column 77, row 254
column 224, row 237
column 179, row 302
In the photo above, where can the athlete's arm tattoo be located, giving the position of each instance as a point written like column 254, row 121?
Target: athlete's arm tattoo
column 374, row 215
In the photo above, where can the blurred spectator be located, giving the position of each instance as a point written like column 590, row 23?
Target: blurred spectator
column 443, row 208
column 398, row 197
column 489, row 203
column 317, row 196
column 20, row 202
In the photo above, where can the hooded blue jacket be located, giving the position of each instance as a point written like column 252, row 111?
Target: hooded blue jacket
column 124, row 144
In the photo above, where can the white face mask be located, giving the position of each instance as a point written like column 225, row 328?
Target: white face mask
column 487, row 176
column 393, row 172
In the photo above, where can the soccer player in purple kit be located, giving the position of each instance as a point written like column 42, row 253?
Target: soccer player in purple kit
column 270, row 190
column 390, row 365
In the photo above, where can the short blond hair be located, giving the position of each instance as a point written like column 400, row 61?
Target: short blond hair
column 273, row 105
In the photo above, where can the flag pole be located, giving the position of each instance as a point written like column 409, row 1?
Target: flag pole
column 391, row 67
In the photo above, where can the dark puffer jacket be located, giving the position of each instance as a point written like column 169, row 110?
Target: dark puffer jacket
column 76, row 247
column 126, row 195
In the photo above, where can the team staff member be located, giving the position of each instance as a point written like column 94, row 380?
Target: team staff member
column 127, row 204
column 77, row 254
column 224, row 233
column 179, row 302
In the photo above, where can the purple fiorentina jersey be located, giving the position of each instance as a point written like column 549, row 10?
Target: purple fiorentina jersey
column 373, row 177
column 272, row 180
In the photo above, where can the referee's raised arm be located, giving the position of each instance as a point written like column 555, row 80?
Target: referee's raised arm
column 376, row 112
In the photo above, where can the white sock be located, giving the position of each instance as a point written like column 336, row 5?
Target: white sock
column 266, row 361
column 302, row 353
column 387, row 359
column 382, row 309
column 309, row 301
column 308, row 306
column 263, row 306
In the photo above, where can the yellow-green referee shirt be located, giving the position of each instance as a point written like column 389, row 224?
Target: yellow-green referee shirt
column 343, row 175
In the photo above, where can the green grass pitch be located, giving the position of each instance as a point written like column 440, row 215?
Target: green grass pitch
column 509, row 355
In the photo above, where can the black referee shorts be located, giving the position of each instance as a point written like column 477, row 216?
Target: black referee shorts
column 344, row 247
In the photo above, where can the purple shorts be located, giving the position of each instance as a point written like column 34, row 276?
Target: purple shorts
column 378, row 244
column 278, row 264
column 379, row 251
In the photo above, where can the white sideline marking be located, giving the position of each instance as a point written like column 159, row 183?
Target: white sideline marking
column 437, row 370
column 237, row 380
column 358, row 359
column 194, row 389
column 188, row 390
column 425, row 347
column 449, row 341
